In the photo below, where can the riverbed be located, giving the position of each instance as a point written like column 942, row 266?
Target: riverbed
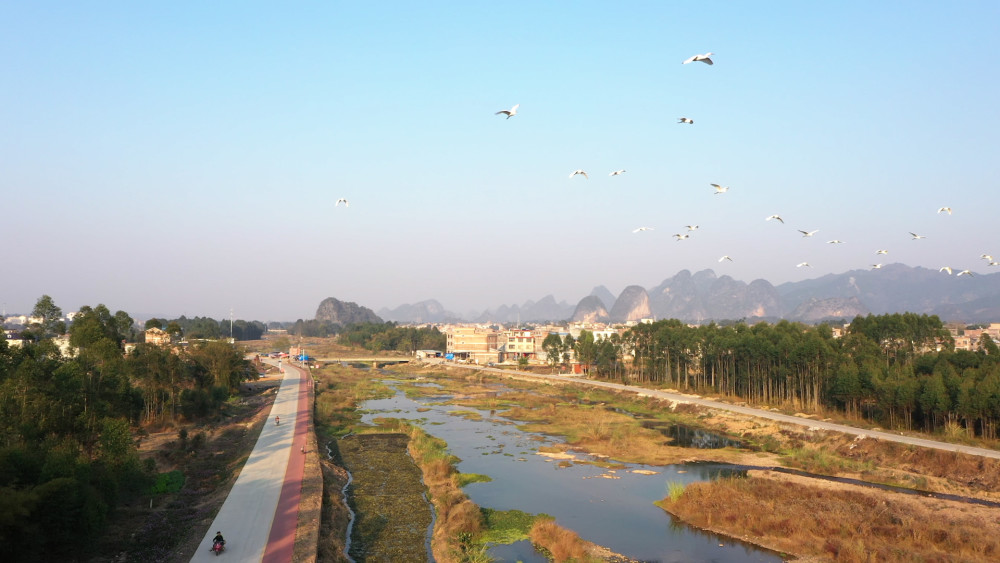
column 608, row 504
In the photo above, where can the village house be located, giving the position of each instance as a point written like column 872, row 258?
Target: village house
column 157, row 337
column 518, row 343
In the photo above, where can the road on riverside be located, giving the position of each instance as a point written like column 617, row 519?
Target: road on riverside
column 259, row 516
column 691, row 399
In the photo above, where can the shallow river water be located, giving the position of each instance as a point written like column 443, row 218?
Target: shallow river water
column 613, row 508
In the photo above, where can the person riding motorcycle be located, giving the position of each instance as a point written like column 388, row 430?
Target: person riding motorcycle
column 277, row 420
column 219, row 539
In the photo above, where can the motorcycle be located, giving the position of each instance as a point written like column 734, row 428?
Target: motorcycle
column 218, row 547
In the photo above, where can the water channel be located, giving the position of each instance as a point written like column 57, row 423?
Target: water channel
column 613, row 508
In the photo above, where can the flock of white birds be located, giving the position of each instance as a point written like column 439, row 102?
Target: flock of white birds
column 719, row 190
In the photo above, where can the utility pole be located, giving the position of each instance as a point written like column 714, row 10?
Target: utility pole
column 232, row 337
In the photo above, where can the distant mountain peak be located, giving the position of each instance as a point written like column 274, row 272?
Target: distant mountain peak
column 703, row 296
column 590, row 310
column 345, row 312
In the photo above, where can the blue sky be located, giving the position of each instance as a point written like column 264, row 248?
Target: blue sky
column 185, row 157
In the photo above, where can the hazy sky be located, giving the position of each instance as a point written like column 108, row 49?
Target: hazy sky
column 185, row 157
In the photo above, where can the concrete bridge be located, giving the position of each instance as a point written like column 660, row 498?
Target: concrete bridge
column 367, row 359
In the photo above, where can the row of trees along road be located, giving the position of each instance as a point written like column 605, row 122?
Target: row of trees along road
column 67, row 453
column 899, row 370
column 208, row 328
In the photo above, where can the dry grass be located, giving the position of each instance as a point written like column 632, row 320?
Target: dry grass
column 600, row 431
column 458, row 519
column 943, row 471
column 841, row 524
column 558, row 542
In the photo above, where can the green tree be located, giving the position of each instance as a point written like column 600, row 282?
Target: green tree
column 567, row 348
column 51, row 317
column 124, row 326
column 174, row 329
column 553, row 345
column 154, row 323
column 222, row 365
column 987, row 346
column 934, row 400
column 586, row 351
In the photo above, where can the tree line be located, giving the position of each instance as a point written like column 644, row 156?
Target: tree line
column 376, row 337
column 900, row 370
column 379, row 337
column 205, row 328
column 67, row 455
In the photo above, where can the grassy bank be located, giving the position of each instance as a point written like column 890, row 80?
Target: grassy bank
column 838, row 524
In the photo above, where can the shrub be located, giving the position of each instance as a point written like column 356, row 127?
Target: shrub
column 170, row 482
column 560, row 543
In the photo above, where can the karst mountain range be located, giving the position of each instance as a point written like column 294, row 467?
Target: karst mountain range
column 703, row 296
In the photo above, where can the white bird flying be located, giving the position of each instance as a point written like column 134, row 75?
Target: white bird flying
column 687, row 120
column 916, row 236
column 774, row 217
column 720, row 189
column 581, row 172
column 808, row 233
column 835, row 241
column 965, row 273
column 700, row 58
column 945, row 210
column 617, row 173
column 986, row 257
column 881, row 252
column 342, row 200
column 692, row 227
column 681, row 237
column 509, row 112
column 876, row 266
column 726, row 257
column 945, row 269
column 993, row 263
column 642, row 229
column 801, row 264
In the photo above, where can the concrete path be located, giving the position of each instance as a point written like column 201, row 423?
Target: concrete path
column 267, row 489
column 694, row 400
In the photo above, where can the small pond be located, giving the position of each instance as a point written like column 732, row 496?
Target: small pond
column 613, row 508
column 689, row 437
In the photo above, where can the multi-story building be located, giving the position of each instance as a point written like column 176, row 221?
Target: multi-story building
column 474, row 344
column 518, row 343
column 968, row 338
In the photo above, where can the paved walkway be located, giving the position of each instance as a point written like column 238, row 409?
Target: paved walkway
column 260, row 514
column 691, row 399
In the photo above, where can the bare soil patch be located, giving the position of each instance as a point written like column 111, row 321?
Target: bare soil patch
column 169, row 527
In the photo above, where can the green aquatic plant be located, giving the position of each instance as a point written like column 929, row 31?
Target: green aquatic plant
column 463, row 479
column 674, row 490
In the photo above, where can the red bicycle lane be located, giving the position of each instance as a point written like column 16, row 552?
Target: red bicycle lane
column 281, row 538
